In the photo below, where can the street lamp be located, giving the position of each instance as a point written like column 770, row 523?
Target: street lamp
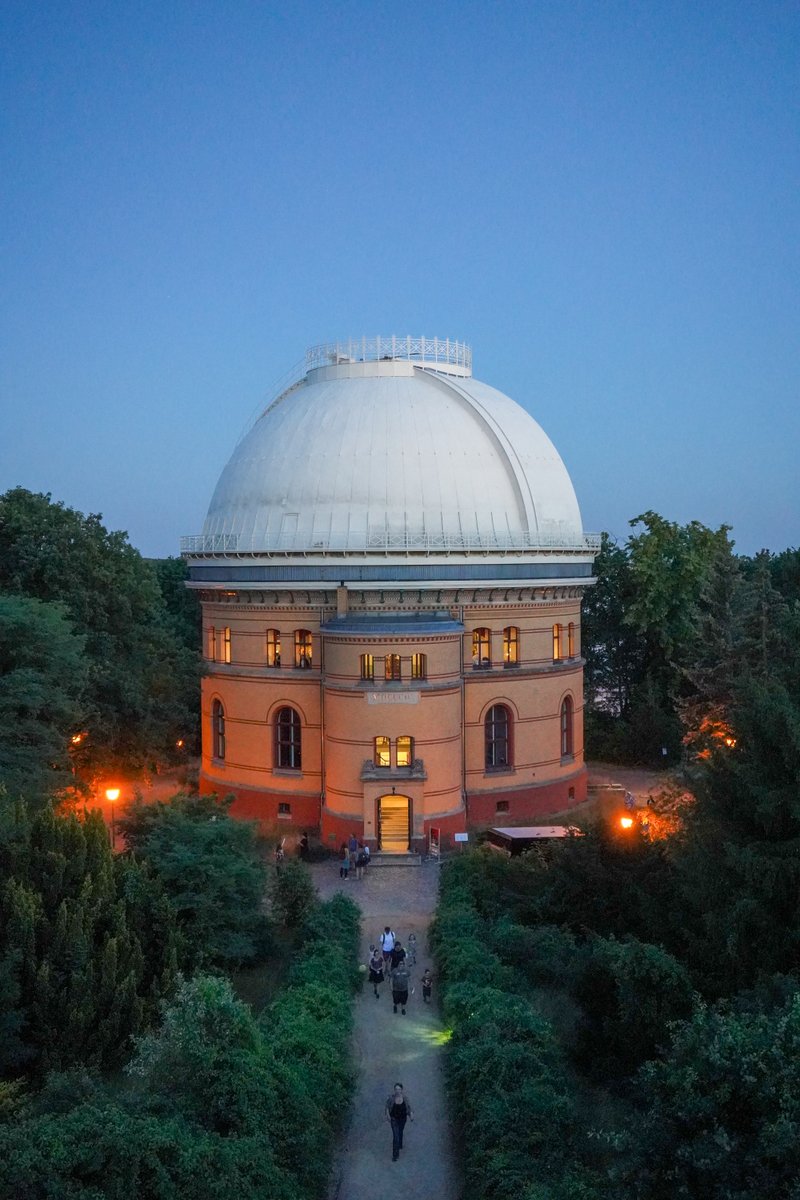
column 112, row 794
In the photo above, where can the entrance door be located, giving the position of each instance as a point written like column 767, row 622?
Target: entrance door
column 394, row 824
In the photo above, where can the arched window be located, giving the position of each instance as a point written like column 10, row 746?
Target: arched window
column 566, row 727
column 393, row 666
column 288, row 740
column 497, row 729
column 382, row 752
column 419, row 666
column 571, row 639
column 481, row 648
column 511, row 646
column 217, row 730
column 558, row 639
column 405, row 751
column 273, row 647
column 302, row 648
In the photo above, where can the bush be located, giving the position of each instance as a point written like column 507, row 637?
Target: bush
column 291, row 893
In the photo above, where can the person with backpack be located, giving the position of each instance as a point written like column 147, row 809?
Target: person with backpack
column 387, row 946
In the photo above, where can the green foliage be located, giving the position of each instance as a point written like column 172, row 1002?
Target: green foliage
column 629, row 991
column 212, row 871
column 141, row 694
column 75, row 983
column 291, row 893
column 721, row 1113
column 43, row 677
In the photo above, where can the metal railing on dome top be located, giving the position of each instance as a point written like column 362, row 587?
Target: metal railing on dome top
column 375, row 349
column 385, row 540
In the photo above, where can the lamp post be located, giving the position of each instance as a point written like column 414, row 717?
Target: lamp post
column 112, row 794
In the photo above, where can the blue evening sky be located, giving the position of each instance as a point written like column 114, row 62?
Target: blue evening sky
column 602, row 197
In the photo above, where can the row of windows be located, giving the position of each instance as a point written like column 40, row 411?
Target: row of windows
column 219, row 650
column 497, row 728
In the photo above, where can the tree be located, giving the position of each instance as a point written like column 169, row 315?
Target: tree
column 142, row 689
column 43, row 677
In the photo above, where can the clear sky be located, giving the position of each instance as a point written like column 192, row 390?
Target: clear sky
column 602, row 198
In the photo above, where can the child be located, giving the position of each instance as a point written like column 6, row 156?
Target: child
column 427, row 984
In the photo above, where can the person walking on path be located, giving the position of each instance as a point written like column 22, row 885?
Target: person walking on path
column 427, row 985
column 398, row 954
column 387, row 946
column 398, row 1111
column 376, row 970
column 400, row 987
column 412, row 948
column 344, row 869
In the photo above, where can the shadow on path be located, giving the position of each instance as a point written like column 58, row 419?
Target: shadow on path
column 391, row 1048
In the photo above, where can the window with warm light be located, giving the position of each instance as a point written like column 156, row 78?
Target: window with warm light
column 419, row 666
column 393, row 667
column 405, row 751
column 273, row 648
column 557, row 642
column 288, row 740
column 226, row 644
column 497, row 737
column 481, row 648
column 302, row 648
column 217, row 730
column 368, row 666
column 511, row 646
column 382, row 752
column 566, row 727
column 571, row 639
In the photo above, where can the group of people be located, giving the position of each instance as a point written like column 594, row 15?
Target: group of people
column 353, row 856
column 390, row 959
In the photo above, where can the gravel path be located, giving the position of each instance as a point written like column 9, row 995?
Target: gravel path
column 393, row 1048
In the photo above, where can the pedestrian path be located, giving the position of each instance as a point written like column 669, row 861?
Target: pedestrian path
column 391, row 1049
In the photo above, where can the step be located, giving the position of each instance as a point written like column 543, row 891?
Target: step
column 395, row 860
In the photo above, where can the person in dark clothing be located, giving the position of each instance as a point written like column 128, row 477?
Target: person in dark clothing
column 398, row 1111
column 400, row 987
column 398, row 955
column 304, row 847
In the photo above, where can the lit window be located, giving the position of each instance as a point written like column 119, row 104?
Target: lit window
column 217, row 730
column 566, row 727
column 212, row 643
column 382, row 755
column 273, row 648
column 226, row 644
column 302, row 648
column 497, row 730
column 571, row 640
column 405, row 751
column 511, row 646
column 481, row 648
column 393, row 666
column 367, row 666
column 419, row 666
column 288, row 740
column 557, row 639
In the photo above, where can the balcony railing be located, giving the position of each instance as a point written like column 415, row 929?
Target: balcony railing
column 385, row 540
column 376, row 349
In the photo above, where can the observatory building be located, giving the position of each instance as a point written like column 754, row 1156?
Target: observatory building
column 391, row 573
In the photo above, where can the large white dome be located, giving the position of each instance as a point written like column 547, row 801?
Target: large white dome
column 393, row 453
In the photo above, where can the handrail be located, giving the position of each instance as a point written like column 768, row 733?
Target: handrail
column 445, row 351
column 232, row 543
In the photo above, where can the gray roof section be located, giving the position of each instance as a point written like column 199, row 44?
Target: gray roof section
column 405, row 624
